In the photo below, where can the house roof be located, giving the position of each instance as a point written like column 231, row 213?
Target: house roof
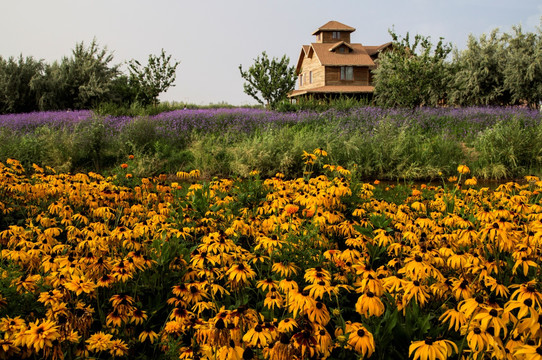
column 357, row 57
column 373, row 50
column 334, row 26
column 337, row 89
column 339, row 44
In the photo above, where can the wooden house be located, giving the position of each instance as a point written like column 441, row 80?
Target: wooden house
column 335, row 66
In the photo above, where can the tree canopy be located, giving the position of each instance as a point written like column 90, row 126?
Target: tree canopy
column 151, row 80
column 83, row 80
column 269, row 81
column 413, row 73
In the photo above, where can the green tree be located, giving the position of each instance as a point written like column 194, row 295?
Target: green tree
column 16, row 94
column 269, row 81
column 81, row 81
column 479, row 79
column 523, row 67
column 412, row 73
column 154, row 78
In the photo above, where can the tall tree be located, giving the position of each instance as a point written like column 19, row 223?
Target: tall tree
column 154, row 78
column 523, row 67
column 79, row 82
column 269, row 81
column 480, row 72
column 413, row 73
column 16, row 94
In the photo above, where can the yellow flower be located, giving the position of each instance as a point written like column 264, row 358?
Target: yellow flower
column 240, row 273
column 320, row 152
column 231, row 352
column 478, row 339
column 361, row 340
column 471, row 182
column 291, row 209
column 151, row 335
column 463, row 169
column 258, row 336
column 431, row 350
column 369, row 305
column 528, row 352
column 80, row 285
column 39, row 336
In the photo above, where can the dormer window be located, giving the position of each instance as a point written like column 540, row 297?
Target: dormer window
column 341, row 50
column 336, row 34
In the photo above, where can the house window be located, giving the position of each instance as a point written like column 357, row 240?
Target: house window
column 310, row 77
column 300, row 79
column 341, row 50
column 347, row 73
column 336, row 34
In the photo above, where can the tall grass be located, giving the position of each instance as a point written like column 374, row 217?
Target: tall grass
column 373, row 142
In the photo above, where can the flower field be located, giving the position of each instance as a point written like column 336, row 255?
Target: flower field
column 318, row 267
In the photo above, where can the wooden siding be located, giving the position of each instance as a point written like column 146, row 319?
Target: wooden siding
column 308, row 65
column 333, row 76
column 327, row 37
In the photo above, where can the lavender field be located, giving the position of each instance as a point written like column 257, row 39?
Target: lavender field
column 373, row 142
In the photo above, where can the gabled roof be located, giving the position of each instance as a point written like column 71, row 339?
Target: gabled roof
column 357, row 57
column 335, row 46
column 334, row 26
column 373, row 50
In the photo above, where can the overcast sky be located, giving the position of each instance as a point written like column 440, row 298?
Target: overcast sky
column 211, row 38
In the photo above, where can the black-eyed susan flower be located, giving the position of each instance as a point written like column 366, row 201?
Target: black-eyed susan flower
column 361, row 340
column 240, row 273
column 273, row 299
column 39, row 335
column 285, row 269
column 369, row 304
column 287, row 325
column 528, row 352
column 257, row 336
column 118, row 348
column 305, row 343
column 319, row 314
column 231, row 351
column 148, row 335
column 430, row 349
column 463, row 169
column 491, row 318
column 99, row 342
column 478, row 339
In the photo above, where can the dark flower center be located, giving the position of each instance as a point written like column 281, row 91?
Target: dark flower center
column 361, row 333
column 319, row 305
column 220, row 324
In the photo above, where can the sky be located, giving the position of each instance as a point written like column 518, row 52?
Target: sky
column 211, row 38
